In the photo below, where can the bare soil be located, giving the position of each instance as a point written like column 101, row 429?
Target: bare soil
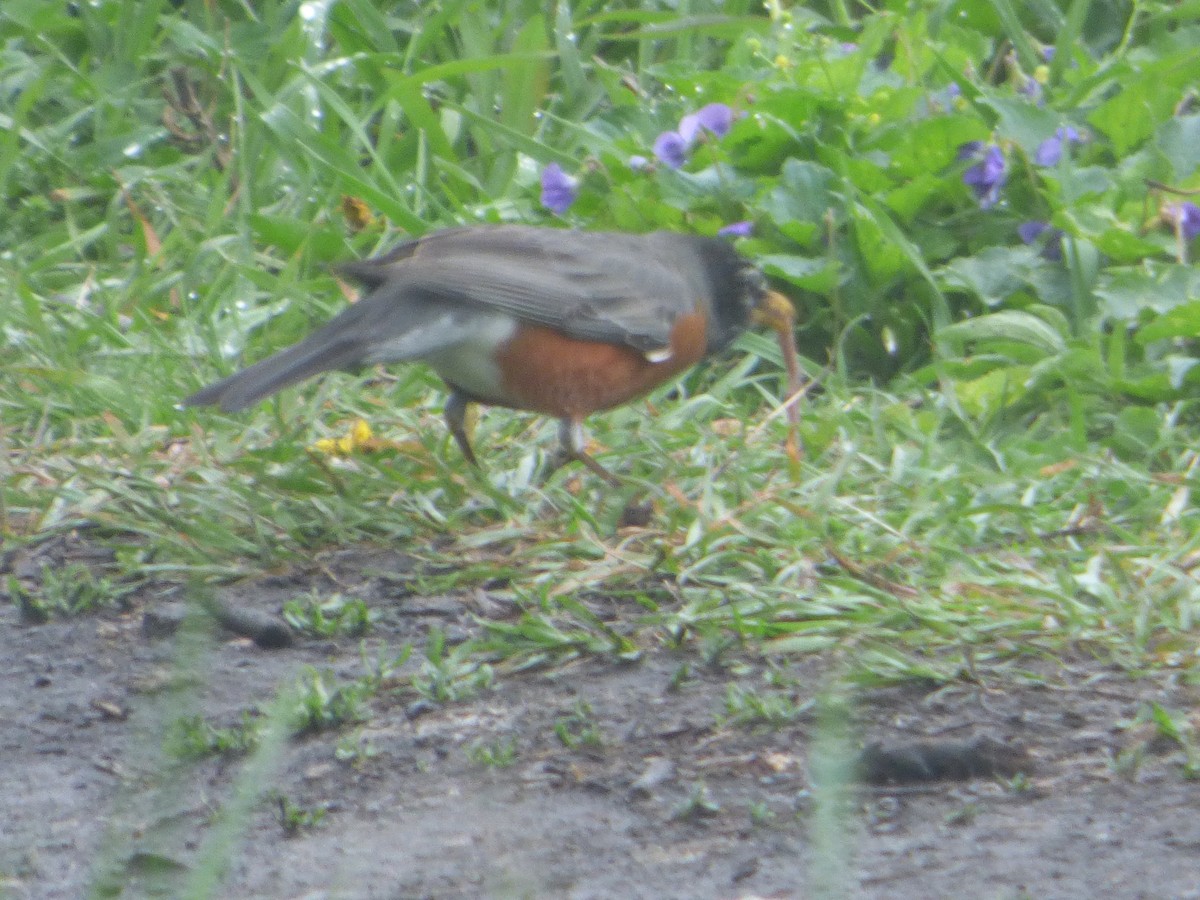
column 661, row 798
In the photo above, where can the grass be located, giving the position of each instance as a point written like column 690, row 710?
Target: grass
column 1000, row 453
column 918, row 546
column 317, row 616
column 913, row 547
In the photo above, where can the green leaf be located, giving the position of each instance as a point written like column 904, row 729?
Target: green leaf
column 525, row 82
column 879, row 254
column 1181, row 322
column 1179, row 140
column 1112, row 236
column 915, row 195
column 717, row 25
column 1082, row 182
column 992, row 275
column 291, row 235
column 1180, row 369
column 1015, row 30
column 803, row 194
column 1153, row 388
column 1136, row 430
column 999, row 388
column 897, row 239
column 816, row 274
column 1022, row 122
column 1007, row 325
column 1077, row 368
column 1128, row 293
column 1146, row 100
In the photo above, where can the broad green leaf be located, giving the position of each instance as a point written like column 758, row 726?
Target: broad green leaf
column 1114, row 237
column 816, row 274
column 803, row 194
column 290, row 235
column 1006, row 325
column 1128, row 293
column 917, row 193
column 992, row 275
column 1181, row 322
column 1146, row 100
column 1023, row 122
column 883, row 257
column 1179, row 140
column 1002, row 387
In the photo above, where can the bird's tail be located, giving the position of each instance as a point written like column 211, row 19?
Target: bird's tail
column 308, row 358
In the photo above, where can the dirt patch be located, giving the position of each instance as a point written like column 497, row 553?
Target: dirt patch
column 597, row 778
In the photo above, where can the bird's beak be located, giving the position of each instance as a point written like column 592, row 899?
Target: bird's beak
column 777, row 313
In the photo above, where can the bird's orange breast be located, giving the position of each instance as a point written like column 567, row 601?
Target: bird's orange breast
column 548, row 372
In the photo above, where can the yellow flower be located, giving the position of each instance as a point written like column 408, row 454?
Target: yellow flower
column 358, row 438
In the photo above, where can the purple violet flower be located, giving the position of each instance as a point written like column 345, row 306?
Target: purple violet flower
column 1187, row 215
column 970, row 150
column 638, row 163
column 715, row 117
column 986, row 177
column 1041, row 232
column 1050, row 151
column 1029, row 232
column 945, row 98
column 736, row 229
column 559, row 189
column 671, row 149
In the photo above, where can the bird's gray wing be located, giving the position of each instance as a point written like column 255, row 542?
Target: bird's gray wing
column 610, row 287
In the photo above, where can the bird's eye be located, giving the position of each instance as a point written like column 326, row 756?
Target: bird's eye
column 755, row 282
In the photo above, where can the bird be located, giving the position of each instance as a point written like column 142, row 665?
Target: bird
column 560, row 322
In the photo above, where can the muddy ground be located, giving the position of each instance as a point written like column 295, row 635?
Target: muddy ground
column 624, row 778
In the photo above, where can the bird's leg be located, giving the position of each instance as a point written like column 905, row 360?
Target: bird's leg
column 456, row 421
column 570, row 434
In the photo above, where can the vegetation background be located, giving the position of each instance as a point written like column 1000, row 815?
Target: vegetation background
column 983, row 212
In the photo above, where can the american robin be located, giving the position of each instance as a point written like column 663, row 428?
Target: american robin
column 565, row 323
